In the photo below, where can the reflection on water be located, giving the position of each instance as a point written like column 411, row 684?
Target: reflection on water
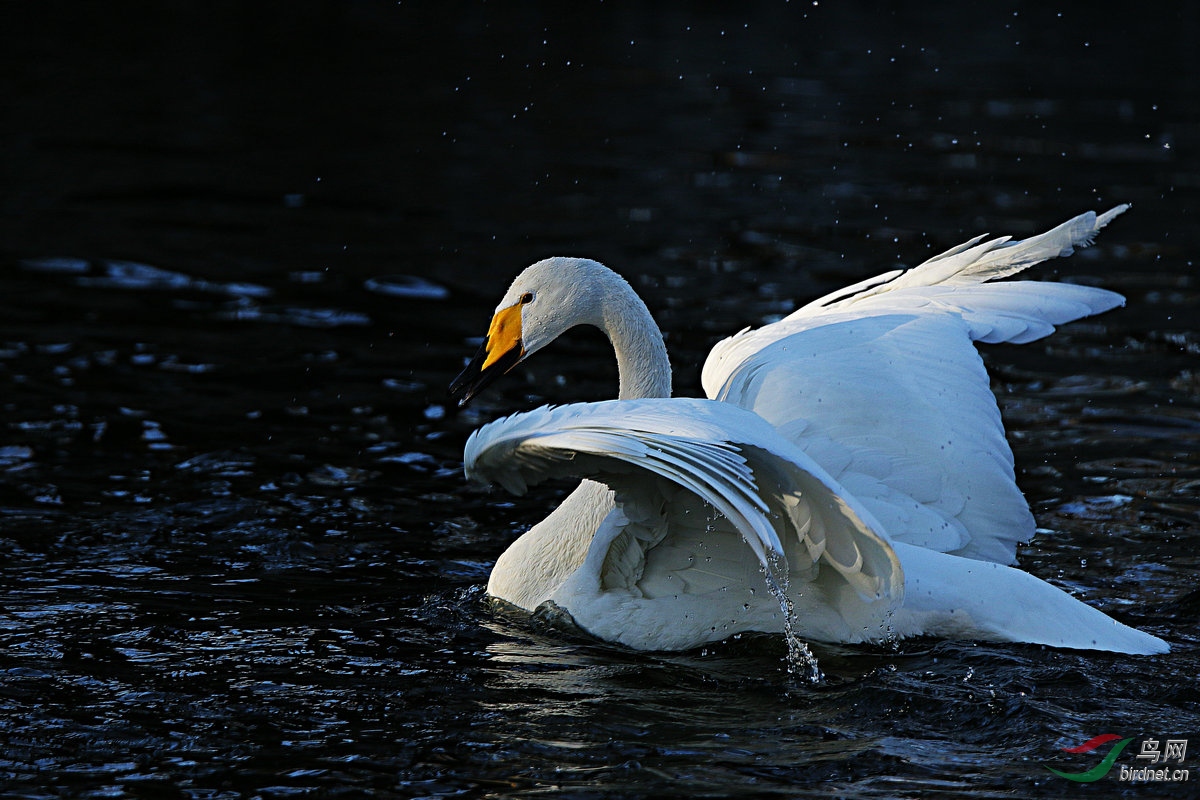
column 239, row 558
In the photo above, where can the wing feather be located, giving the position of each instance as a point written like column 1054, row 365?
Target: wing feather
column 779, row 500
column 880, row 383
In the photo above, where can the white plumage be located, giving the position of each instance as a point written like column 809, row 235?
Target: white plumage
column 851, row 455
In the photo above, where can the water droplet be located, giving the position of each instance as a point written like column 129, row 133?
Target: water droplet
column 800, row 660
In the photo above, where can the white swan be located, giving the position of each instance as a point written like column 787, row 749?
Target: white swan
column 852, row 452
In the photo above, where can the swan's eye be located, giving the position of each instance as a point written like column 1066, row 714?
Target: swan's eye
column 527, row 298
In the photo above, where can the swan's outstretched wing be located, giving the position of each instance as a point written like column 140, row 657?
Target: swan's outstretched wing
column 880, row 383
column 780, row 502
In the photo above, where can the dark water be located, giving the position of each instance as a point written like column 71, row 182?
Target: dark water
column 244, row 247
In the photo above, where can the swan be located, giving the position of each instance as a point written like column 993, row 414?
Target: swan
column 847, row 476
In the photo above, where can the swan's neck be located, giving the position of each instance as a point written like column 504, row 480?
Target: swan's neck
column 642, row 364
column 537, row 563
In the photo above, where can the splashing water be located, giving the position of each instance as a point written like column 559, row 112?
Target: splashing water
column 800, row 660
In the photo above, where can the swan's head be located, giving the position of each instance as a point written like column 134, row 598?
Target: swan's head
column 545, row 300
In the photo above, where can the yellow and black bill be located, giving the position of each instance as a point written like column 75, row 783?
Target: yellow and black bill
column 500, row 352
